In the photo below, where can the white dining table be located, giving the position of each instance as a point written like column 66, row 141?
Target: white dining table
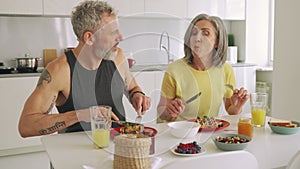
column 76, row 150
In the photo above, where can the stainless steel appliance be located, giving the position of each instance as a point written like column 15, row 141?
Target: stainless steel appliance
column 27, row 64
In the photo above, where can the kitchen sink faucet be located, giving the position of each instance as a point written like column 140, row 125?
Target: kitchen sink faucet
column 167, row 49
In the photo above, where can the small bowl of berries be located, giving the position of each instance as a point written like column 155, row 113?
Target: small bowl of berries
column 188, row 149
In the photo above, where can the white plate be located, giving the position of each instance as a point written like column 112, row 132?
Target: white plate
column 187, row 155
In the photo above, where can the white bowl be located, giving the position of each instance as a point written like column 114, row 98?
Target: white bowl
column 184, row 129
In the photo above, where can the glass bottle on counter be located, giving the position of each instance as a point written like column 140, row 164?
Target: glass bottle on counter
column 245, row 127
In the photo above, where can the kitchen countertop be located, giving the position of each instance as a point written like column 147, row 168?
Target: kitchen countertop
column 16, row 74
column 11, row 75
column 243, row 64
column 265, row 68
column 162, row 67
column 154, row 67
column 135, row 68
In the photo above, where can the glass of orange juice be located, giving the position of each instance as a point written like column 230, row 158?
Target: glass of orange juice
column 245, row 127
column 258, row 102
column 100, row 125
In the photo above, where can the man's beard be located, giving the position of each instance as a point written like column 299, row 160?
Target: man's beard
column 105, row 54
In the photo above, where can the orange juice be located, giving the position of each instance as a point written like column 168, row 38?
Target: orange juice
column 101, row 137
column 258, row 117
column 245, row 127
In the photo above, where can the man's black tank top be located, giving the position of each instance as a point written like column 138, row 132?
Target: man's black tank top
column 103, row 86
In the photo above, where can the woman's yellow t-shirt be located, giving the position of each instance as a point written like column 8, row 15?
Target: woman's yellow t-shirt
column 183, row 81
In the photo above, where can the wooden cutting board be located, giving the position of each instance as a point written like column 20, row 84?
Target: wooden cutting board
column 49, row 55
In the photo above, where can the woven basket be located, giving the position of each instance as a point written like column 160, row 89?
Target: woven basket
column 131, row 153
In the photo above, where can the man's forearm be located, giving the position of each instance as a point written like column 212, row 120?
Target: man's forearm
column 44, row 124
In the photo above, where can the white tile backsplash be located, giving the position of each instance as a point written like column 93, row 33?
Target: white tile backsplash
column 141, row 36
column 20, row 35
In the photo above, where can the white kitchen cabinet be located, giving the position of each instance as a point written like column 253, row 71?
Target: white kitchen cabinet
column 167, row 8
column 196, row 7
column 28, row 7
column 14, row 92
column 65, row 7
column 234, row 10
column 59, row 7
column 128, row 7
column 150, row 82
column 225, row 9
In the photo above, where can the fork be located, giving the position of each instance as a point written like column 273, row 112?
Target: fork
column 138, row 119
column 230, row 86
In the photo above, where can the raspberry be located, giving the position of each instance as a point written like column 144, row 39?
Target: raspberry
column 188, row 148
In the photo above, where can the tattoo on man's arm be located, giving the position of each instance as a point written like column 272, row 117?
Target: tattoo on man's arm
column 43, row 132
column 53, row 128
column 51, row 106
column 45, row 76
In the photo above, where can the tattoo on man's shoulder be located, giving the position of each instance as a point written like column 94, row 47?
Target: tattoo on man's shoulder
column 45, row 76
column 55, row 127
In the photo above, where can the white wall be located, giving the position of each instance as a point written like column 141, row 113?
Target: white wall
column 257, row 27
column 286, row 78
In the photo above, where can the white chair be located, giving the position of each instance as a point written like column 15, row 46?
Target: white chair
column 294, row 163
column 232, row 160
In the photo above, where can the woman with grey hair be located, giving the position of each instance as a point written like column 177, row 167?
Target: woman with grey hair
column 202, row 69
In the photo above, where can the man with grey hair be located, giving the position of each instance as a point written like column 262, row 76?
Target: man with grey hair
column 83, row 77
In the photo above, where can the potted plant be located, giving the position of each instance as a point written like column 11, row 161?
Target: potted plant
column 232, row 50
